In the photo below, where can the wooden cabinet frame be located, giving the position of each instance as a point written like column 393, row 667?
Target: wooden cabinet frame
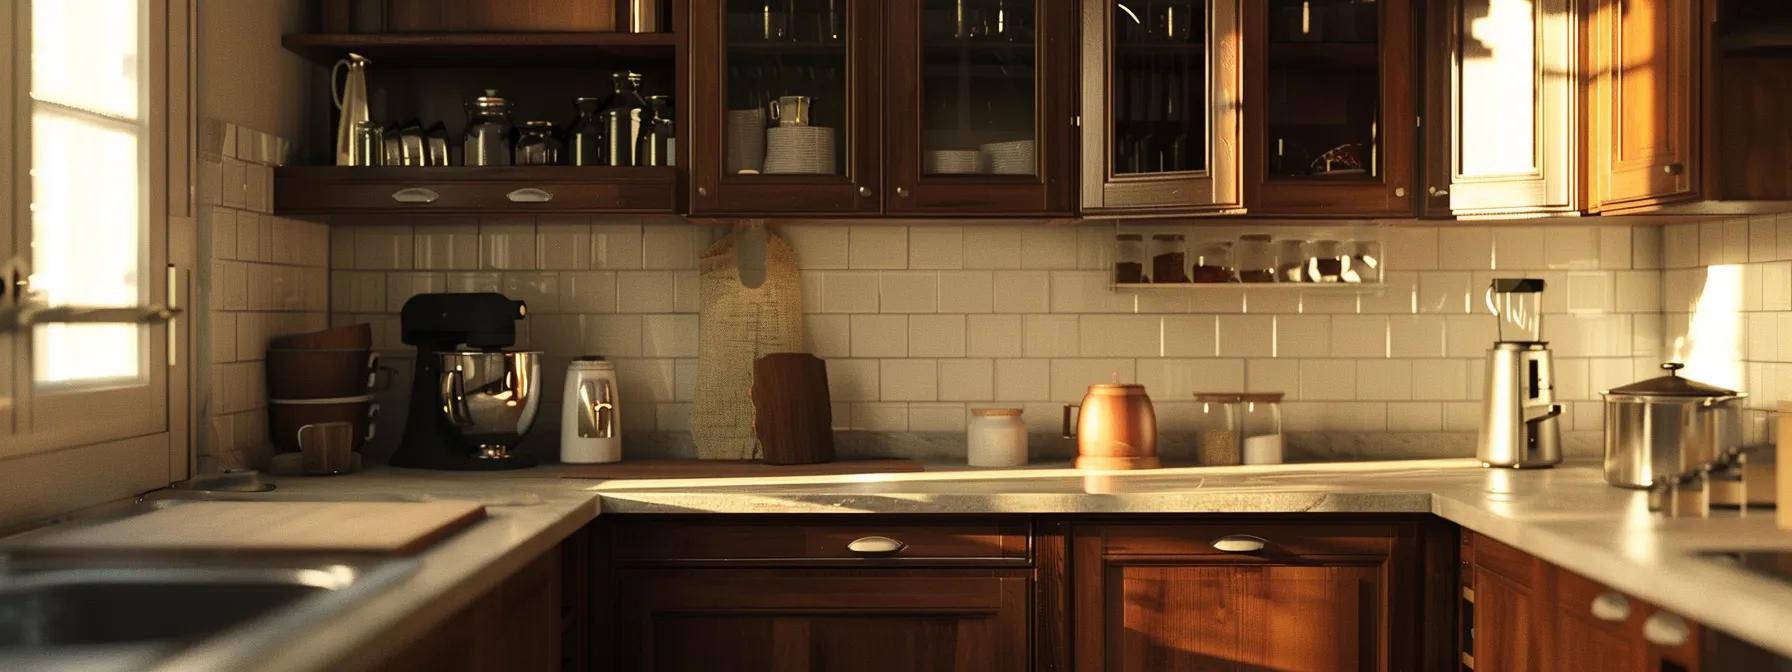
column 1214, row 189
column 1393, row 194
column 1665, row 166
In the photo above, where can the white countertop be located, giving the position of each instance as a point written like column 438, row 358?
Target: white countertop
column 1566, row 515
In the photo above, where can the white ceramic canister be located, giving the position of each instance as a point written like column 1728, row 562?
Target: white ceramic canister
column 997, row 437
column 591, row 413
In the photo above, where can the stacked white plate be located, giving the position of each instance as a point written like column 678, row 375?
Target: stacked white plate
column 799, row 150
column 746, row 141
column 953, row 162
column 1014, row 157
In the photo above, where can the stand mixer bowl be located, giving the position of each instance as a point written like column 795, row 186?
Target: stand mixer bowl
column 489, row 398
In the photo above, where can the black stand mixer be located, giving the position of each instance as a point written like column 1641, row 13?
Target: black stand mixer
column 471, row 399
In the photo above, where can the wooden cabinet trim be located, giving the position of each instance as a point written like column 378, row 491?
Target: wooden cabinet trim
column 1552, row 183
column 1621, row 176
column 809, row 542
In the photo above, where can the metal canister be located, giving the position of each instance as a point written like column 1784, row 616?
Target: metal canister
column 624, row 119
column 646, row 16
column 536, row 144
column 657, row 144
column 369, row 144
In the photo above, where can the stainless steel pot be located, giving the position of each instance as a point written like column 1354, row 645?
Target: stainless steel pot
column 1666, row 427
column 490, row 398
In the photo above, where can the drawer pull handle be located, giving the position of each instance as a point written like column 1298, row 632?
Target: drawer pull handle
column 530, row 195
column 415, row 195
column 1239, row 543
column 1611, row 607
column 875, row 546
column 1667, row 630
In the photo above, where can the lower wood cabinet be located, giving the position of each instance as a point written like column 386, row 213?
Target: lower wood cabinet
column 1250, row 596
column 514, row 627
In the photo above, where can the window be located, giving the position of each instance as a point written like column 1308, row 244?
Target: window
column 89, row 185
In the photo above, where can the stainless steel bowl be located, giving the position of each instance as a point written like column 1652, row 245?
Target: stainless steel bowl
column 490, row 398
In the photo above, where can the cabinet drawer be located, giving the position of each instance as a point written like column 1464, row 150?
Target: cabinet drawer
column 461, row 190
column 1248, row 541
column 774, row 542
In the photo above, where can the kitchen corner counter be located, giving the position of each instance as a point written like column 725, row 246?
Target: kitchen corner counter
column 1566, row 516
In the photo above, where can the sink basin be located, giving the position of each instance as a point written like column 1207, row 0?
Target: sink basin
column 172, row 613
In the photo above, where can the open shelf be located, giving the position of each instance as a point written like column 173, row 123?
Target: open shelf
column 328, row 190
column 485, row 49
column 1289, row 286
column 1765, row 40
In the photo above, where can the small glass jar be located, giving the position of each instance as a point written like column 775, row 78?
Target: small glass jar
column 487, row 141
column 1325, row 261
column 1291, row 261
column 1239, row 428
column 1129, row 258
column 1256, row 258
column 1169, row 258
column 996, row 437
column 536, row 144
column 585, row 136
column 1213, row 263
column 1362, row 261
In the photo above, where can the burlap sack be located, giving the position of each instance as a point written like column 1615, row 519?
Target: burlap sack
column 736, row 325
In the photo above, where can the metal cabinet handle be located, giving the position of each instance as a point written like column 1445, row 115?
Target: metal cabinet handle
column 1666, row 630
column 597, row 401
column 530, row 195
column 1434, row 191
column 415, row 195
column 1674, row 168
column 875, row 546
column 1399, row 192
column 865, row 192
column 1240, row 543
column 702, row 191
column 901, row 192
column 1611, row 607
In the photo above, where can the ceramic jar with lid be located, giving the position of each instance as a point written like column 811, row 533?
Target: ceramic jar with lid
column 996, row 437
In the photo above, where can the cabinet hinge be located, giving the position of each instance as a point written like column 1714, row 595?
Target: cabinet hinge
column 1418, row 122
column 1076, row 120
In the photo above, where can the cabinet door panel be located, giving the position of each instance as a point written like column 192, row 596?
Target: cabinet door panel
column 801, row 620
column 1506, row 630
column 1644, row 103
column 1509, row 158
column 786, row 118
column 1160, row 117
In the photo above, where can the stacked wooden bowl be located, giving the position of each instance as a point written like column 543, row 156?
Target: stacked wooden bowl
column 320, row 377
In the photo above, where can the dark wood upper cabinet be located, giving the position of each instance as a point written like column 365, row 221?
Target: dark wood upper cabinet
column 1160, row 114
column 1643, row 63
column 1330, row 112
column 1247, row 596
column 825, row 154
column 979, row 104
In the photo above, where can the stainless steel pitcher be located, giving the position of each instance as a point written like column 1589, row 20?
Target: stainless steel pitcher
column 351, row 103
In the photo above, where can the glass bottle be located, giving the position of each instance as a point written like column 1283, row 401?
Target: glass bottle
column 1260, row 427
column 657, row 144
column 1291, row 261
column 1217, row 438
column 1256, row 258
column 1362, row 261
column 585, row 135
column 1325, row 261
column 624, row 118
column 487, row 141
column 536, row 144
column 1129, row 258
column 1213, row 262
column 1169, row 258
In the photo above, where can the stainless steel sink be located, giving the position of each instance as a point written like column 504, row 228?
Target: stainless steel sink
column 211, row 613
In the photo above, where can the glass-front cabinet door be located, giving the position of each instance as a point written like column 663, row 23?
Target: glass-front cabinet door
column 786, row 115
column 1330, row 121
column 980, row 112
column 1160, row 116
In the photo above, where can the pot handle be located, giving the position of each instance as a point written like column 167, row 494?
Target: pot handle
column 1070, row 420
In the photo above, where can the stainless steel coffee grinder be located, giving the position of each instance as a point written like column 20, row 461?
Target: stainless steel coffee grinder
column 472, row 399
column 1520, row 419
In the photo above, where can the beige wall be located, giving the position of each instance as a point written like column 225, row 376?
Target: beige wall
column 245, row 76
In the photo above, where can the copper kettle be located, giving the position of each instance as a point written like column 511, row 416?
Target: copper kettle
column 1115, row 428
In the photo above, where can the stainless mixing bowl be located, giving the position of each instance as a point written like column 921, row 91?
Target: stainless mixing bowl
column 490, row 398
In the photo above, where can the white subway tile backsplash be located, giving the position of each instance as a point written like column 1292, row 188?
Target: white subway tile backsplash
column 936, row 335
column 1638, row 291
column 1298, row 335
column 967, row 291
column 1050, row 335
column 645, row 380
column 687, row 292
column 817, row 246
column 1411, row 248
column 1085, row 292
column 880, row 335
column 1120, row 336
column 1445, row 292
column 1191, row 336
column 1617, row 249
column 967, row 379
column 1048, row 247
column 1071, row 378
column 936, row 247
column 1464, row 248
column 993, row 247
column 442, row 247
column 1576, row 248
column 993, row 335
column 1024, row 379
column 1590, row 292
column 1416, row 335
column 668, row 335
column 1022, row 291
column 828, row 336
column 1519, row 247
column 1415, row 416
column 1327, row 379
column 1273, row 375
column 852, row 379
column 400, row 287
column 875, row 246
column 908, row 292
column 908, row 380
column 1246, row 335
column 473, row 282
column 1736, row 241
column 540, row 291
column 644, row 292
column 880, row 417
column 588, row 292
column 1784, row 224
column 1220, row 300
column 1172, row 380
column 1443, row 379
column 1680, row 245
column 934, row 417
column 1094, row 248
column 563, row 245
column 671, row 247
column 611, row 336
column 506, row 244
column 849, row 291
column 1359, row 336
column 616, row 245
column 1776, row 286
column 1384, row 379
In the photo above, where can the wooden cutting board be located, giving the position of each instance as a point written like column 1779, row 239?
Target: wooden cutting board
column 733, row 468
column 361, row 527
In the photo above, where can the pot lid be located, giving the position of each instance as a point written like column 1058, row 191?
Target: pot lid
column 1671, row 385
